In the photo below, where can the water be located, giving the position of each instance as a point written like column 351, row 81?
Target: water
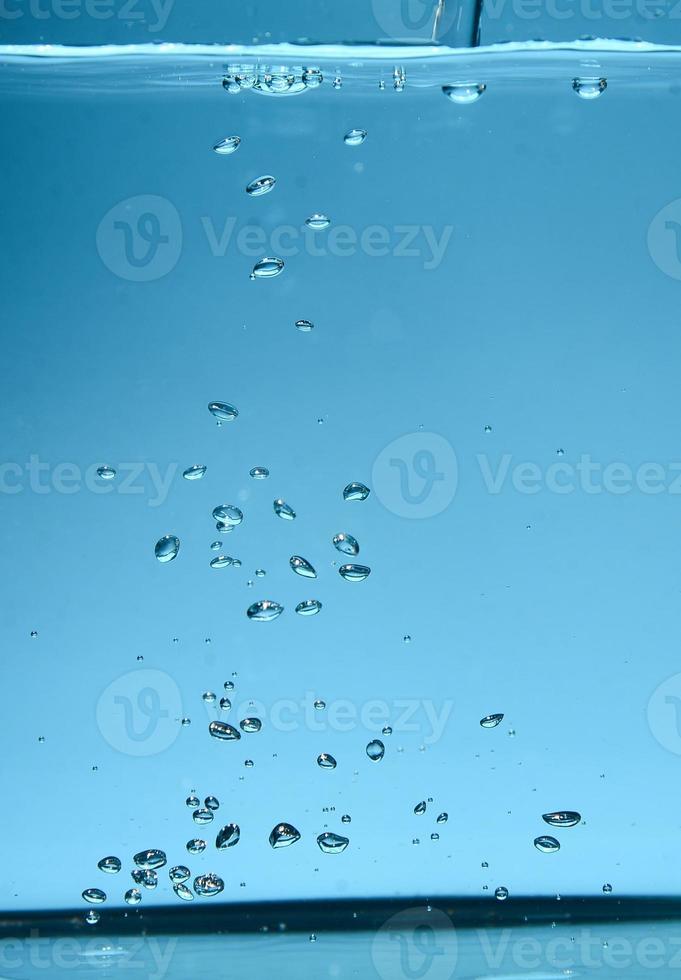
column 542, row 320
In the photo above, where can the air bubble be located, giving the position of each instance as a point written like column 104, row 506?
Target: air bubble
column 283, row 835
column 491, row 721
column 355, row 137
column 110, row 865
column 589, row 88
column 202, row 816
column 346, row 544
column 562, row 818
column 150, row 859
column 264, row 611
column 106, row 472
column 326, row 761
column 250, row 725
column 133, row 896
column 223, row 412
column 259, row 472
column 167, row 548
column 183, row 892
column 354, row 573
column 332, row 843
column 318, row 222
column 547, row 845
column 230, row 144
column 305, row 326
column 309, row 607
column 261, row 185
column 178, row 874
column 283, row 510
column 301, row 566
column 223, row 731
column 208, row 885
column 229, row 836
column 222, row 561
column 267, row 268
column 95, row 896
column 375, row 750
column 464, row 93
column 356, row 491
column 196, row 846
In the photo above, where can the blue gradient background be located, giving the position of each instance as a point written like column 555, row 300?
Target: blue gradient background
column 547, row 320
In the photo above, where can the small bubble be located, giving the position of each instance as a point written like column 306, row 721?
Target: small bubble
column 318, row 222
column 346, row 544
column 443, row 818
column 223, row 412
column 354, row 573
column 387, row 730
column 208, row 697
column 283, row 510
column 229, row 685
column 95, row 896
column 346, row 818
column 301, row 566
column 166, row 548
column 319, row 704
column 183, row 892
column 261, row 185
column 216, row 545
column 151, row 859
column 326, row 761
column 92, row 917
column 225, row 704
column 133, row 896
column 284, row 834
column 332, row 843
column 34, row 633
column 264, row 611
column 562, row 818
column 309, row 607
column 106, row 472
column 305, row 326
column 202, row 816
column 193, row 802
column 355, row 137
column 434, row 836
column 464, row 93
column 547, row 845
column 250, row 725
column 501, row 893
column 196, row 846
column 208, row 885
column 195, row 472
column 227, row 145
column 356, row 491
column 375, row 750
column 178, row 874
column 186, row 722
column 228, row 515
column 223, row 731
column 229, row 836
column 589, row 88
column 267, row 268
column 607, row 888
column 491, row 721
column 259, row 473
column 110, row 865
column 149, row 879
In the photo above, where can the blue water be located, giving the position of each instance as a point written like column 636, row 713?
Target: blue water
column 495, row 306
